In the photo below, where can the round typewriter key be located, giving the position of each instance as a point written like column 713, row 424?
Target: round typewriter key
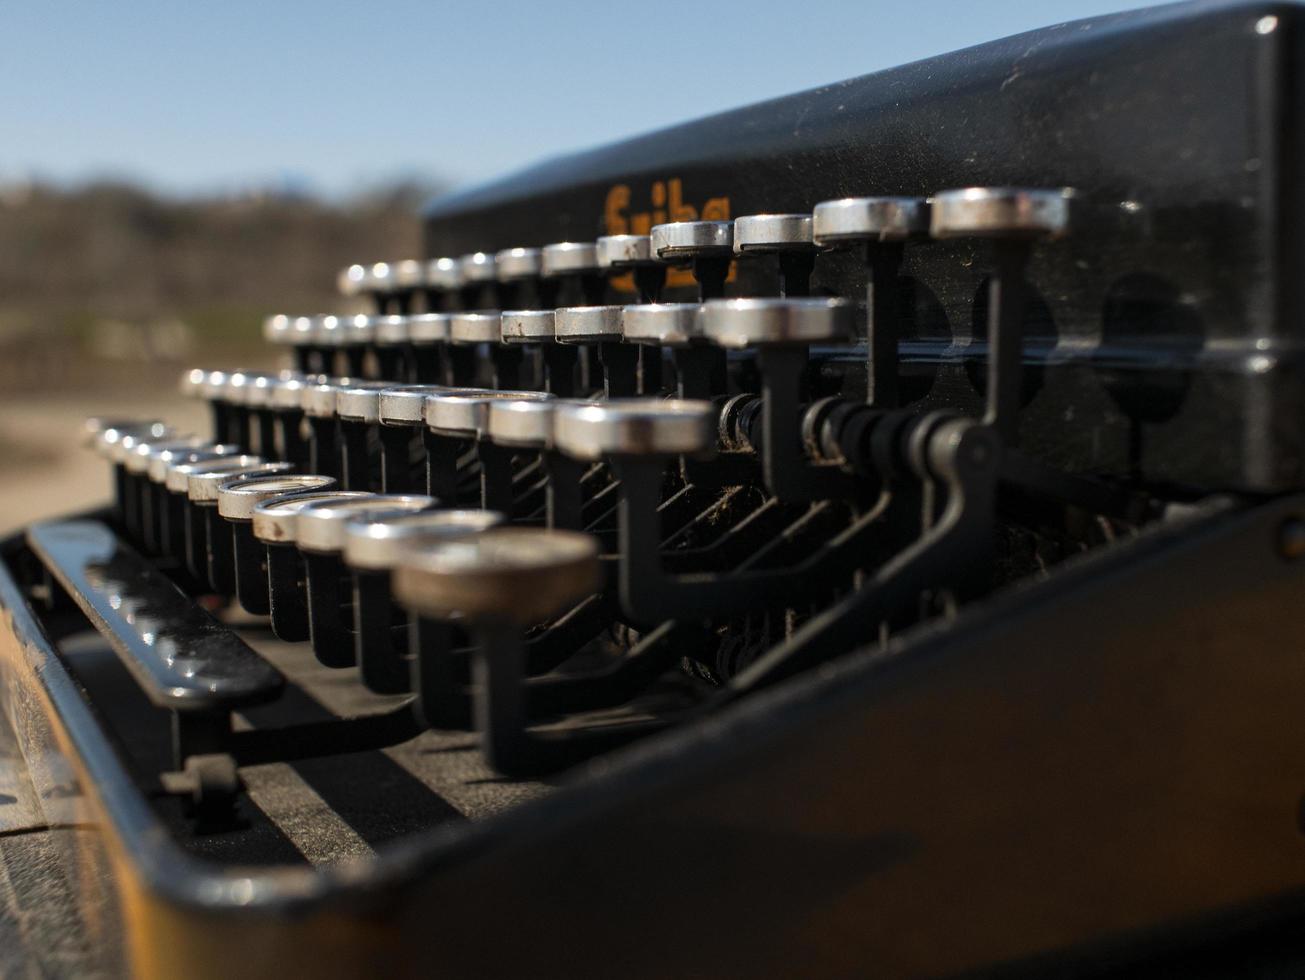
column 238, row 498
column 309, row 358
column 202, row 490
column 285, row 402
column 478, row 267
column 192, row 383
column 635, row 427
column 781, row 330
column 273, row 524
column 706, row 246
column 328, row 334
column 479, row 281
column 146, row 505
column 117, row 445
column 517, row 269
column 162, row 460
column 262, row 398
column 466, row 413
column 170, row 508
column 661, row 324
column 485, row 328
column 587, row 324
column 772, row 233
column 179, row 474
column 430, row 328
column 240, row 428
column 353, row 335
column 499, row 582
column 634, row 253
column 430, row 334
column 256, row 401
column 443, row 274
column 274, row 521
column 787, row 236
column 1001, row 212
column 527, row 326
column 374, row 542
column 177, row 483
column 380, row 278
column 879, row 227
column 137, row 461
column 357, row 407
column 461, row 416
column 851, row 220
column 236, row 503
column 319, row 532
column 743, row 323
column 208, row 385
column 518, row 263
column 317, row 399
column 539, row 327
column 468, row 330
column 371, row 549
column 601, row 327
column 519, row 575
column 403, row 405
column 278, row 329
column 686, row 240
column 352, row 281
column 393, row 355
column 392, row 330
column 528, row 424
column 98, row 431
column 409, row 274
column 568, row 258
column 625, row 251
column 700, row 368
column 570, row 275
column 402, row 424
column 1012, row 218
column 105, row 434
column 319, row 527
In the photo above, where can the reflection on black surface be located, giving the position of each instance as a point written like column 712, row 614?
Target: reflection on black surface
column 182, row 655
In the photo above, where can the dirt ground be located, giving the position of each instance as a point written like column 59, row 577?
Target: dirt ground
column 45, row 471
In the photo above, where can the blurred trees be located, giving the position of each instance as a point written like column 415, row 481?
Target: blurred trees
column 111, row 260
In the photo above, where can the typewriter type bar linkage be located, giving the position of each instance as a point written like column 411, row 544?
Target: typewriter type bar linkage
column 656, row 478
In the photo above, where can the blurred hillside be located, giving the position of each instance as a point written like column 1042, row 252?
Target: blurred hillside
column 107, row 282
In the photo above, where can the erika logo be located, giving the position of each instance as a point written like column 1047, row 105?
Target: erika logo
column 665, row 203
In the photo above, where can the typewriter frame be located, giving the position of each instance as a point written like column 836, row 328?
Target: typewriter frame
column 714, row 806
column 1202, row 612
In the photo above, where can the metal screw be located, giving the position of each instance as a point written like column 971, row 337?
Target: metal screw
column 1291, row 539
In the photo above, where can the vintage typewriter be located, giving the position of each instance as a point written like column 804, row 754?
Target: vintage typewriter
column 857, row 535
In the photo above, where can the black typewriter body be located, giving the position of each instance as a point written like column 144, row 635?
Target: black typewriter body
column 1086, row 764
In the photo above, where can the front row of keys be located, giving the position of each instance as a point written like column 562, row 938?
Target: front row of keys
column 495, row 600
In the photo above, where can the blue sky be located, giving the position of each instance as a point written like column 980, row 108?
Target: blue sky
column 199, row 96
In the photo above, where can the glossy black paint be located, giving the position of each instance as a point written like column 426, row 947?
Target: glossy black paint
column 1168, row 328
column 182, row 658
